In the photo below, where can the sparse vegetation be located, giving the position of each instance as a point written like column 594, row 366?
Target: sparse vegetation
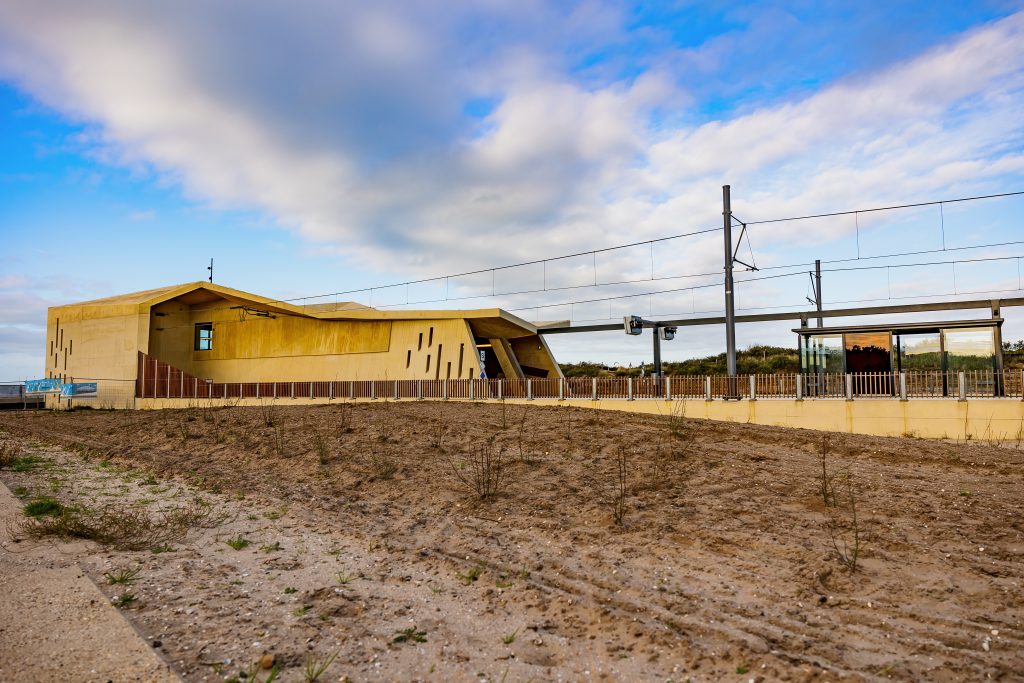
column 44, row 506
column 839, row 495
column 472, row 575
column 122, row 576
column 484, row 471
column 123, row 526
column 239, row 542
column 316, row 665
column 410, row 635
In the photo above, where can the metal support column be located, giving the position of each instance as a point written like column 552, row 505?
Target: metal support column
column 656, row 370
column 817, row 288
column 730, row 312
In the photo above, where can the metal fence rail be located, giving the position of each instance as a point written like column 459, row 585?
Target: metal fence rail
column 157, row 379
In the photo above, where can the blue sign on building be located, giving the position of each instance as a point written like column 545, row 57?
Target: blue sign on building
column 78, row 390
column 49, row 385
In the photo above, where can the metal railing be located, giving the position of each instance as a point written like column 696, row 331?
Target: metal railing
column 160, row 380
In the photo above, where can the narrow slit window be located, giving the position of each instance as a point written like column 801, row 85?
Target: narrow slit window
column 408, row 358
column 428, row 362
column 448, row 372
column 437, row 366
column 71, row 346
column 204, row 336
column 462, row 348
column 430, row 339
column 419, row 345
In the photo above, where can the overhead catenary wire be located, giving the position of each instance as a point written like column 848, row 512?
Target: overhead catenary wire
column 593, row 253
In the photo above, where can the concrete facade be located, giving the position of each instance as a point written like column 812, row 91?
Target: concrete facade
column 255, row 339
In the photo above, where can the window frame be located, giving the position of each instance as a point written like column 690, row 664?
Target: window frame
column 199, row 338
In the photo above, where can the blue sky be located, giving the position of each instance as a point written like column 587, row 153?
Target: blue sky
column 325, row 146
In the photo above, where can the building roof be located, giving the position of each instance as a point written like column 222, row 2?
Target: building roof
column 901, row 328
column 493, row 322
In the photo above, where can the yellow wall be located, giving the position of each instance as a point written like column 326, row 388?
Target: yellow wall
column 1000, row 420
column 248, row 348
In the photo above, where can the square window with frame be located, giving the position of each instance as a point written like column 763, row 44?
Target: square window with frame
column 204, row 336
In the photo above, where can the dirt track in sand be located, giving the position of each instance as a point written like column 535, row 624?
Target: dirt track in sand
column 723, row 568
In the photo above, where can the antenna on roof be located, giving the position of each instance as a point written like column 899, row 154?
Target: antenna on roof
column 210, row 268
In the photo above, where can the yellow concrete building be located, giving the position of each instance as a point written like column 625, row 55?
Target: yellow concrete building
column 225, row 335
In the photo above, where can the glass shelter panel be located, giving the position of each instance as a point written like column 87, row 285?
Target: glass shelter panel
column 971, row 348
column 822, row 353
column 869, row 352
column 921, row 351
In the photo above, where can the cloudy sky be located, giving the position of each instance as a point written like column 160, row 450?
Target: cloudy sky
column 319, row 147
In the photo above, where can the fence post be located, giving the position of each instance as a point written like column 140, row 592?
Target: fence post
column 257, row 389
column 275, row 390
column 962, row 381
column 501, row 395
column 561, row 388
column 195, row 387
column 629, row 388
column 471, row 390
column 593, row 388
column 799, row 387
column 445, row 387
column 419, row 389
column 753, row 387
column 225, row 391
column 668, row 388
column 373, row 390
column 849, row 387
column 330, row 391
column 351, row 390
column 181, row 389
column 529, row 389
column 311, row 390
column 396, row 389
column 293, row 390
column 903, row 386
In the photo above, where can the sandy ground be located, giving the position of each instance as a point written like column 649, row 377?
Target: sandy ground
column 723, row 567
column 55, row 624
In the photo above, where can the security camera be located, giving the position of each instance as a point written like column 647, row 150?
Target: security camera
column 633, row 324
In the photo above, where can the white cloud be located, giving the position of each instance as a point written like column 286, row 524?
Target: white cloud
column 344, row 122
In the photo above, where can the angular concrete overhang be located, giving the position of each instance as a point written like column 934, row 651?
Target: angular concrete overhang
column 487, row 322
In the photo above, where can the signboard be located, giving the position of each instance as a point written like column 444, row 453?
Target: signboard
column 50, row 385
column 78, row 390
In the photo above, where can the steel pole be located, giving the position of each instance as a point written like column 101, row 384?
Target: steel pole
column 730, row 313
column 817, row 287
column 656, row 371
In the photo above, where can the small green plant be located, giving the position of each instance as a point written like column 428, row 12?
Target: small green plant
column 274, row 515
column 150, row 481
column 27, row 463
column 320, row 445
column 742, row 670
column 161, row 548
column 301, row 611
column 510, row 638
column 316, row 666
column 472, row 575
column 239, row 542
column 44, row 506
column 272, row 548
column 344, row 578
column 290, row 589
column 122, row 576
column 410, row 635
column 124, row 600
